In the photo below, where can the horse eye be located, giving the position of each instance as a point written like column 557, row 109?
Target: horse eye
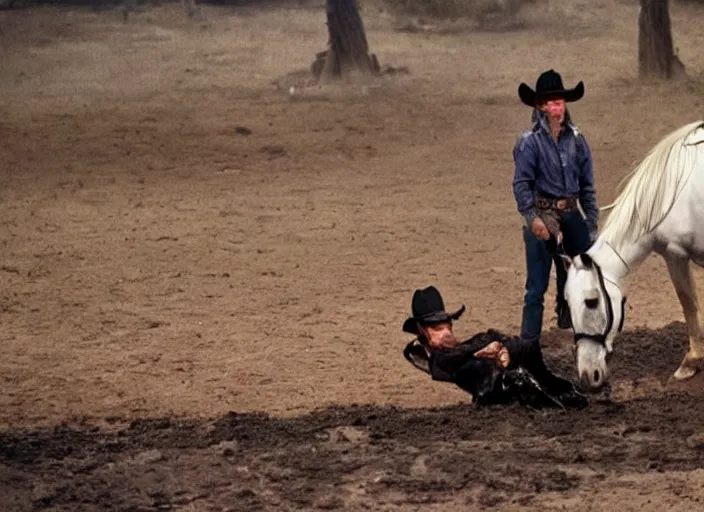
column 591, row 303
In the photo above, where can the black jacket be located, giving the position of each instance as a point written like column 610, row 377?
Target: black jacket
column 526, row 378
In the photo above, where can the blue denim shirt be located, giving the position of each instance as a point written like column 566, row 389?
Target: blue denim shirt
column 550, row 169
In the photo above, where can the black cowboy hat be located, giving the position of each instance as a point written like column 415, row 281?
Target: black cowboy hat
column 428, row 308
column 549, row 85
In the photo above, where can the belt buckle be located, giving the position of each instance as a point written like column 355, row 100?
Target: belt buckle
column 561, row 204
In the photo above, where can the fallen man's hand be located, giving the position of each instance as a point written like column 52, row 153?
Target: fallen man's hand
column 495, row 350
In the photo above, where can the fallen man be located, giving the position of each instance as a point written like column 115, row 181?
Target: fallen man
column 492, row 367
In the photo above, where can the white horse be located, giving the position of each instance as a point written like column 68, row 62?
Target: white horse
column 660, row 208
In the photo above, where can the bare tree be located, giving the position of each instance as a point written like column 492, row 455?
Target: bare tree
column 348, row 50
column 656, row 57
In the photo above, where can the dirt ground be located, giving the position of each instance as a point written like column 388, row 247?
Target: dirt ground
column 204, row 276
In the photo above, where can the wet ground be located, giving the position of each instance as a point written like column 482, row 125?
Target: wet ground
column 376, row 458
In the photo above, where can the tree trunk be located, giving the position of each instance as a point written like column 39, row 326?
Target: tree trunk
column 348, row 50
column 656, row 57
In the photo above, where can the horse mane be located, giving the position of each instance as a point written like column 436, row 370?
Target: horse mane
column 647, row 193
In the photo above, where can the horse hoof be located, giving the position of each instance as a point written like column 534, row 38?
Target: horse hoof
column 684, row 373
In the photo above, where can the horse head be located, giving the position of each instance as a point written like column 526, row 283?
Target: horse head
column 597, row 309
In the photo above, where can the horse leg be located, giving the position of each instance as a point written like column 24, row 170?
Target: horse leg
column 681, row 276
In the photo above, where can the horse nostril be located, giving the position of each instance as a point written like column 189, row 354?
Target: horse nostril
column 597, row 376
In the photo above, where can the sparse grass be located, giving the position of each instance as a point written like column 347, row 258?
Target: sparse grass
column 449, row 9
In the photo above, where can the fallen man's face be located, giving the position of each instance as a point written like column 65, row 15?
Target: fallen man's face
column 441, row 335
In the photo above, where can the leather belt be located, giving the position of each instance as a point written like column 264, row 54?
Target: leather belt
column 563, row 204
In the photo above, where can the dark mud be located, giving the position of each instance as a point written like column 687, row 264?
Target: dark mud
column 366, row 457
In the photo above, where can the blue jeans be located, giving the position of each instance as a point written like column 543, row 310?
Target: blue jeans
column 539, row 258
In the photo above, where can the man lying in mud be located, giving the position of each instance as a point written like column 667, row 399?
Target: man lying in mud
column 492, row 367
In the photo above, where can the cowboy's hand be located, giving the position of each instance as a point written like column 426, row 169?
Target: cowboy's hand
column 495, row 350
column 539, row 229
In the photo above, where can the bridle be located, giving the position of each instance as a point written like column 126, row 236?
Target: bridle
column 601, row 338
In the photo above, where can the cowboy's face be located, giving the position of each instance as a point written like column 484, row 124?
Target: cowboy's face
column 554, row 108
column 439, row 335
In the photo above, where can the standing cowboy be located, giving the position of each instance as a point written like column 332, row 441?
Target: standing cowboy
column 554, row 190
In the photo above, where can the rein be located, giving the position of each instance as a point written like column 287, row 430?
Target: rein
column 628, row 268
